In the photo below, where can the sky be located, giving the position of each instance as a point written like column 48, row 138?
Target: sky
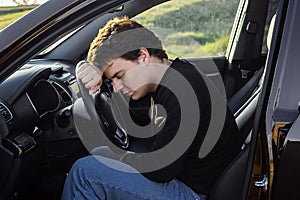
column 10, row 2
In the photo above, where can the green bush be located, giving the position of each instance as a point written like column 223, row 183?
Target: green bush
column 186, row 37
column 217, row 48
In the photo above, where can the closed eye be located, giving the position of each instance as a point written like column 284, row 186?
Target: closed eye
column 120, row 75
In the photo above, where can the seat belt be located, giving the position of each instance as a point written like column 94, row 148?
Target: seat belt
column 245, row 69
column 244, row 93
column 246, row 65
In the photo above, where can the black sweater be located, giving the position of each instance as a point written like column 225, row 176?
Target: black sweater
column 174, row 149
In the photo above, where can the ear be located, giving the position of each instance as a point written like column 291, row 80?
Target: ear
column 144, row 57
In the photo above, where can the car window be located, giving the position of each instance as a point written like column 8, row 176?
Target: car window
column 193, row 28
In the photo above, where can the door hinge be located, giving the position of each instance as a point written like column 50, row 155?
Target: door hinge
column 262, row 183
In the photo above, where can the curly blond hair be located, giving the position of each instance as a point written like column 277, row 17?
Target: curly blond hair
column 122, row 37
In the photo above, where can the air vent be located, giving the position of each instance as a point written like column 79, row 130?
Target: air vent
column 5, row 112
column 63, row 93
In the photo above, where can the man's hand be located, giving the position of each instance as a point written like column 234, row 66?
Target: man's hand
column 91, row 77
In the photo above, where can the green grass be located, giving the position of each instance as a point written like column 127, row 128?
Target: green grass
column 211, row 31
column 11, row 14
column 147, row 18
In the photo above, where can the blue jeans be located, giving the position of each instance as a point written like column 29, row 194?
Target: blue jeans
column 91, row 179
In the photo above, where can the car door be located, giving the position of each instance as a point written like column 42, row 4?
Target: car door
column 272, row 169
column 282, row 106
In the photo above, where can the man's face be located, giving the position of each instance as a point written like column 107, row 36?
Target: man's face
column 130, row 77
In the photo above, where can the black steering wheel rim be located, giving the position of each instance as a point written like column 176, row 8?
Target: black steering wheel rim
column 103, row 114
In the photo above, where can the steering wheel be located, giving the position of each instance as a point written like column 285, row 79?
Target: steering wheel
column 103, row 113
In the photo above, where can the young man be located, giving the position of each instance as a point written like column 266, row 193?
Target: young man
column 169, row 100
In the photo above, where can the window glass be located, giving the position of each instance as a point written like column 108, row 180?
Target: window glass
column 193, row 28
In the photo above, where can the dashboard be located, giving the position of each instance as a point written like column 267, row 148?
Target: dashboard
column 38, row 138
column 36, row 103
